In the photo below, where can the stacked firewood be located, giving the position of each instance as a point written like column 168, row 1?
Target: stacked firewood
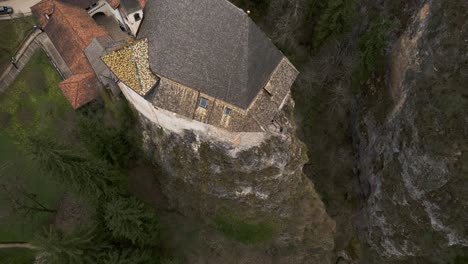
column 121, row 63
column 131, row 65
column 140, row 53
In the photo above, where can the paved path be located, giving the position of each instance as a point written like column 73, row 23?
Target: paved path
column 19, row 7
column 36, row 40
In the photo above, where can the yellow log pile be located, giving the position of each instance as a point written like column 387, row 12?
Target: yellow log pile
column 130, row 64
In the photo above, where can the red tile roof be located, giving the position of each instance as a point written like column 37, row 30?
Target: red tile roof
column 80, row 89
column 41, row 9
column 80, row 3
column 71, row 29
column 114, row 3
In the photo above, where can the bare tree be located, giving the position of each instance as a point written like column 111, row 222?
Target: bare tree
column 24, row 201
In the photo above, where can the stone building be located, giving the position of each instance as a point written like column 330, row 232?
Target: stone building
column 127, row 13
column 71, row 29
column 200, row 60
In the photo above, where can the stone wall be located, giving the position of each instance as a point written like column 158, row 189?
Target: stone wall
column 269, row 100
column 175, row 123
column 175, row 97
column 183, row 100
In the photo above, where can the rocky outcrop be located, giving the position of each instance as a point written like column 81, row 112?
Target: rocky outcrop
column 261, row 185
column 413, row 165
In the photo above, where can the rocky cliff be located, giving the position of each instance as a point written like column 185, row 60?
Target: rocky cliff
column 390, row 163
column 413, row 162
column 254, row 205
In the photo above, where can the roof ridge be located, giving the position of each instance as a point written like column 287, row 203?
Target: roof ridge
column 65, row 16
column 219, row 54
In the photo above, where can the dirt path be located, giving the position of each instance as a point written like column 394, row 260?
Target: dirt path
column 17, row 245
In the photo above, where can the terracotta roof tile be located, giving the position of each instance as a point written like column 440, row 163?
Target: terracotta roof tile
column 71, row 29
column 80, row 89
column 80, row 3
column 113, row 3
column 40, row 9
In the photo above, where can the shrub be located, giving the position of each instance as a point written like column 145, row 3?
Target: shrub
column 74, row 248
column 128, row 256
column 242, row 231
column 334, row 20
column 259, row 8
column 131, row 219
column 115, row 140
column 461, row 260
column 372, row 47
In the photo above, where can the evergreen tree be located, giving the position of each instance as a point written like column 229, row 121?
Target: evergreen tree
column 334, row 20
column 73, row 248
column 129, row 256
column 131, row 219
column 372, row 46
column 73, row 166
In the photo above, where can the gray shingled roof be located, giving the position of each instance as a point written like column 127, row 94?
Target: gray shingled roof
column 97, row 48
column 211, row 46
column 80, row 3
column 130, row 5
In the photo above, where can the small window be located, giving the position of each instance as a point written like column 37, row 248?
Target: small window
column 203, row 102
column 227, row 111
column 137, row 17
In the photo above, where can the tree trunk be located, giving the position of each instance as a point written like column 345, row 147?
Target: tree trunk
column 17, row 245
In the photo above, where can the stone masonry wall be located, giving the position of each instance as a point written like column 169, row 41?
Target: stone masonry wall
column 175, row 97
column 266, row 106
column 183, row 100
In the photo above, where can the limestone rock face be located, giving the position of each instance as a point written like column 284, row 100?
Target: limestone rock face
column 262, row 184
column 413, row 165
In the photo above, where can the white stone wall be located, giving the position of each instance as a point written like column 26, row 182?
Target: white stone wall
column 104, row 7
column 178, row 124
column 132, row 24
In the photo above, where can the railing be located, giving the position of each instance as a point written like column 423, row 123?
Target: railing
column 18, row 50
column 25, row 39
column 52, row 61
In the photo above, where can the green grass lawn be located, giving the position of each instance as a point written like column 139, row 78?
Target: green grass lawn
column 33, row 104
column 13, row 32
column 34, row 107
column 21, row 225
column 16, row 256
